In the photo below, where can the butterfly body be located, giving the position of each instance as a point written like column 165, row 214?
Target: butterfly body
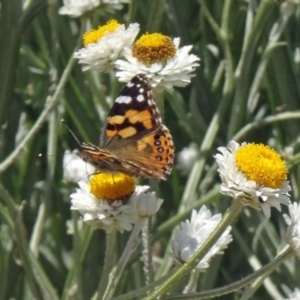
column 134, row 141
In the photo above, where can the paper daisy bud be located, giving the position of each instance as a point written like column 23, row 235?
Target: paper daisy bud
column 76, row 8
column 254, row 174
column 192, row 234
column 161, row 60
column 147, row 204
column 108, row 201
column 74, row 168
column 103, row 46
column 292, row 236
column 186, row 158
column 295, row 295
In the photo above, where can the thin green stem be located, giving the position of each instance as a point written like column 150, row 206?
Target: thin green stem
column 243, row 71
column 264, row 271
column 196, row 173
column 77, row 249
column 51, row 102
column 266, row 121
column 116, row 273
column 108, row 261
column 275, row 33
column 87, row 234
column 16, row 215
column 37, row 230
column 192, row 282
column 146, row 252
column 143, row 290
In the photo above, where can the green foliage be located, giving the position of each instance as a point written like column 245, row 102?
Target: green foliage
column 247, row 88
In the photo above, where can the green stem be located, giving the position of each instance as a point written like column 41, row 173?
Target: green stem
column 143, row 290
column 155, row 17
column 51, row 102
column 116, row 273
column 264, row 271
column 37, row 230
column 287, row 9
column 192, row 282
column 16, row 215
column 266, row 121
column 87, row 234
column 214, row 126
column 243, row 71
column 108, row 262
column 228, row 218
column 196, row 173
column 147, row 253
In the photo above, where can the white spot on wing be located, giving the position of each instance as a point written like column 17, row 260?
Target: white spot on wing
column 140, row 98
column 141, row 90
column 130, row 84
column 124, row 99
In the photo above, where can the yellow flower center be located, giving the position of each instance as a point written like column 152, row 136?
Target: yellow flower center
column 261, row 164
column 111, row 187
column 153, row 48
column 95, row 35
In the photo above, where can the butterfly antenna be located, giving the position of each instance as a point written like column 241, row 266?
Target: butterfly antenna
column 73, row 134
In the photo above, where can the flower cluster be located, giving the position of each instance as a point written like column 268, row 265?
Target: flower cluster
column 253, row 174
column 112, row 46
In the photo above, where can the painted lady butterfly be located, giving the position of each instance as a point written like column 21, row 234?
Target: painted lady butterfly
column 134, row 141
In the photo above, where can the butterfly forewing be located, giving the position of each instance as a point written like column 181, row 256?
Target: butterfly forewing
column 134, row 141
column 133, row 115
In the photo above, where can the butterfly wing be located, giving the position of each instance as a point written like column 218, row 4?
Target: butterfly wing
column 152, row 155
column 134, row 141
column 133, row 115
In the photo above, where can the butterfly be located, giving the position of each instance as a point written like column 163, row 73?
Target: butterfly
column 133, row 141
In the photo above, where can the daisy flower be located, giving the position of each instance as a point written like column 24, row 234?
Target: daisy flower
column 103, row 46
column 193, row 233
column 254, row 174
column 186, row 158
column 112, row 201
column 74, row 168
column 161, row 60
column 295, row 295
column 292, row 236
column 76, row 8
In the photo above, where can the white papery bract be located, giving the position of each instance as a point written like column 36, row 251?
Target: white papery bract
column 147, row 204
column 295, row 295
column 74, row 168
column 292, row 236
column 76, row 8
column 102, row 54
column 236, row 185
column 186, row 158
column 175, row 72
column 192, row 234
